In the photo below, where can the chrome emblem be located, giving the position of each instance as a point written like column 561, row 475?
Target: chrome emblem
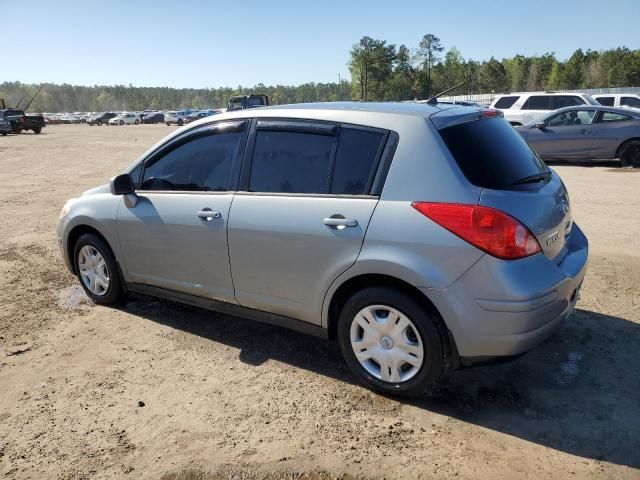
column 554, row 237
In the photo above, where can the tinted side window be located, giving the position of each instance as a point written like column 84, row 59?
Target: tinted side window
column 606, row 101
column 201, row 164
column 561, row 101
column 538, row 102
column 490, row 153
column 291, row 162
column 630, row 101
column 506, row 102
column 614, row 117
column 355, row 159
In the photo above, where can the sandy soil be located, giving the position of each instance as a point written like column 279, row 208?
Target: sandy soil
column 222, row 394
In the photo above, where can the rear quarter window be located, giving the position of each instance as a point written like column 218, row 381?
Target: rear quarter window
column 506, row 102
column 491, row 154
column 357, row 153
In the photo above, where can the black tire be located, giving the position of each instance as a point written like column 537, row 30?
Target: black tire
column 630, row 154
column 99, row 123
column 4, row 134
column 427, row 324
column 137, row 122
column 121, row 122
column 168, row 124
column 180, row 122
column 115, row 294
column 37, row 130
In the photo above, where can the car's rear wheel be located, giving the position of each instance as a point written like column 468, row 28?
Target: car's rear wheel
column 121, row 122
column 180, row 122
column 630, row 154
column 168, row 124
column 97, row 270
column 37, row 130
column 391, row 342
column 137, row 122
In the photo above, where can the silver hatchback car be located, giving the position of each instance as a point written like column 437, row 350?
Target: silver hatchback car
column 423, row 238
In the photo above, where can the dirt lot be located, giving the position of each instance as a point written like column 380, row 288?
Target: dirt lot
column 244, row 400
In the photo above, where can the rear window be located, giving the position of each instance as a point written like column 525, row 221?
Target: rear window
column 506, row 102
column 491, row 154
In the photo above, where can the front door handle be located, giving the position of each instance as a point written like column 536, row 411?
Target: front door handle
column 340, row 222
column 207, row 214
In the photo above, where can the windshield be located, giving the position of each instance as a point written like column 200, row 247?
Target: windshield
column 491, row 154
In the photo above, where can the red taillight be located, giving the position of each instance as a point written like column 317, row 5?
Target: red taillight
column 486, row 228
column 491, row 113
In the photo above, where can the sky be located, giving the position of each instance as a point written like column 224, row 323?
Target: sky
column 214, row 44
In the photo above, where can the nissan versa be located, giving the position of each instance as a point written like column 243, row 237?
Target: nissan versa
column 422, row 237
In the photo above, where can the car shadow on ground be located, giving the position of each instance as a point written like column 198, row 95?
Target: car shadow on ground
column 579, row 392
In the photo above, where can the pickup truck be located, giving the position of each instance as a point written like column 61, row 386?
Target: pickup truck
column 34, row 122
column 622, row 100
column 241, row 102
column 20, row 121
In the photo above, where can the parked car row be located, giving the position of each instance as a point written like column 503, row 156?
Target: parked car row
column 576, row 126
column 523, row 108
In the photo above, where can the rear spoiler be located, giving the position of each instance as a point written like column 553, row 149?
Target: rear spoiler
column 454, row 116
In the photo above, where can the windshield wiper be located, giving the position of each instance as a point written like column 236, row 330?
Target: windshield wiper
column 533, row 178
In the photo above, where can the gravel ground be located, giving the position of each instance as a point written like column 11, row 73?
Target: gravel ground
column 160, row 390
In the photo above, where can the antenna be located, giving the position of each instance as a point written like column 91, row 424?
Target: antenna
column 434, row 100
column 20, row 100
column 33, row 98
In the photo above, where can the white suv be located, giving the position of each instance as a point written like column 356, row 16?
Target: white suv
column 628, row 100
column 522, row 108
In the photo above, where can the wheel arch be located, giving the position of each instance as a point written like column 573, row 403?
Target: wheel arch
column 72, row 238
column 624, row 144
column 367, row 280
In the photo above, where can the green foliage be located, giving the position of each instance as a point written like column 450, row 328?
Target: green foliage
column 430, row 73
column 74, row 98
column 379, row 71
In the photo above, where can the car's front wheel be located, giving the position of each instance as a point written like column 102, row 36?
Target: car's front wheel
column 97, row 270
column 391, row 342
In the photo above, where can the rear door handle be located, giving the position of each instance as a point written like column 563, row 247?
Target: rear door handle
column 207, row 214
column 340, row 222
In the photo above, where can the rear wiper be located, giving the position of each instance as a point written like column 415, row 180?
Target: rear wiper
column 533, row 178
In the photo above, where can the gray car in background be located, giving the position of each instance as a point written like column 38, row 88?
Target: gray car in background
column 423, row 238
column 586, row 133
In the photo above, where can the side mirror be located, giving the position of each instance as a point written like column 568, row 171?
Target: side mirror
column 122, row 185
column 539, row 125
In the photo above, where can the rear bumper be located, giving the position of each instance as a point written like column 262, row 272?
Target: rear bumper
column 504, row 308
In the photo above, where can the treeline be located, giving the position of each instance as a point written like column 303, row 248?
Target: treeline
column 379, row 71
column 75, row 98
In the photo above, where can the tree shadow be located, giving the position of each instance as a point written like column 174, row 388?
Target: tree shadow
column 579, row 392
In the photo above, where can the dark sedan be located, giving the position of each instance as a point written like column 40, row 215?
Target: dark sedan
column 153, row 117
column 586, row 132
